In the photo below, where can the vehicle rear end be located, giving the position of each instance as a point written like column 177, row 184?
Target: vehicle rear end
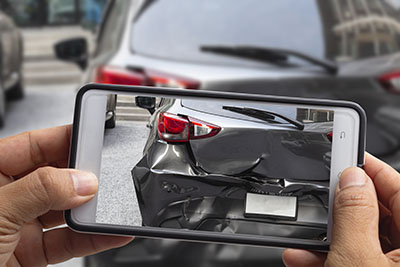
column 160, row 43
column 156, row 53
column 209, row 158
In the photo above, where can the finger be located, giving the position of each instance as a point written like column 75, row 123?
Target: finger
column 394, row 255
column 385, row 178
column 63, row 244
column 387, row 184
column 44, row 190
column 302, row 258
column 389, row 233
column 355, row 233
column 52, row 219
column 385, row 223
column 31, row 240
column 5, row 179
column 25, row 151
column 60, row 164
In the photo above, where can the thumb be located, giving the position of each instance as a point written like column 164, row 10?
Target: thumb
column 43, row 190
column 355, row 233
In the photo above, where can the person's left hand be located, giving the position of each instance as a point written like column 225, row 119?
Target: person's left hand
column 34, row 191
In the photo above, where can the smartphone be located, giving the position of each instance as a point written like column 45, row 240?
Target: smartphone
column 213, row 166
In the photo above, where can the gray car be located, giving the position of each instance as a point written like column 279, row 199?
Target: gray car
column 204, row 159
column 329, row 49
column 321, row 49
column 11, row 63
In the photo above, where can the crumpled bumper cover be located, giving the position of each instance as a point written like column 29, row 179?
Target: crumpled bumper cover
column 176, row 194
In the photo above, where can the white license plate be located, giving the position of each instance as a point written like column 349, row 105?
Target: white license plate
column 284, row 207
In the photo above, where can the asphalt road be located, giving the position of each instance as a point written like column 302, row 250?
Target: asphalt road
column 123, row 146
column 42, row 107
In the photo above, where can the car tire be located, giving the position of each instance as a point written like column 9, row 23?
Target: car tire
column 111, row 122
column 2, row 95
column 17, row 91
column 2, row 106
column 111, row 108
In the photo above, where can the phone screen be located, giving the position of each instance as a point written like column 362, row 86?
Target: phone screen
column 213, row 165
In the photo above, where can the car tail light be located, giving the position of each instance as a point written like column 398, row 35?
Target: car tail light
column 200, row 129
column 330, row 136
column 160, row 79
column 115, row 75
column 391, row 81
column 174, row 128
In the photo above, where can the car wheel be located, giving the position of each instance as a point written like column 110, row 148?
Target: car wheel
column 17, row 91
column 2, row 106
column 111, row 109
column 110, row 123
column 2, row 96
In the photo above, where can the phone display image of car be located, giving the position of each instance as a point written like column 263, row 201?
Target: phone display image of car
column 212, row 166
column 223, row 166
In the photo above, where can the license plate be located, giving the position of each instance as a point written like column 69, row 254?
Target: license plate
column 283, row 207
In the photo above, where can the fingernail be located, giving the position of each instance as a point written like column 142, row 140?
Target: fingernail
column 352, row 177
column 85, row 183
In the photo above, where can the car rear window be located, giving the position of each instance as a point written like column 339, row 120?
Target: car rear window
column 219, row 108
column 339, row 30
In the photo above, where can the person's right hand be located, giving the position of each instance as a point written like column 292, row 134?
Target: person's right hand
column 366, row 221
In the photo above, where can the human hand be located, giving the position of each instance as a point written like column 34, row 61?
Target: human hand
column 366, row 220
column 34, row 191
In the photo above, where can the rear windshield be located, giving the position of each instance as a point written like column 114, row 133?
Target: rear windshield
column 340, row 30
column 226, row 109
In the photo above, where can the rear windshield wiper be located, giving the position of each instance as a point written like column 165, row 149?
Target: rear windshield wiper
column 266, row 54
column 264, row 115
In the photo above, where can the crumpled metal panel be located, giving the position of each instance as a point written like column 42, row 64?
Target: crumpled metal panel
column 175, row 193
column 281, row 154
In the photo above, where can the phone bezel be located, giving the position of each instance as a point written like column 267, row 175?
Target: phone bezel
column 193, row 235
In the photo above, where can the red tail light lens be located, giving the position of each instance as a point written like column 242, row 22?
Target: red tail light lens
column 330, row 136
column 115, row 75
column 391, row 81
column 173, row 128
column 160, row 79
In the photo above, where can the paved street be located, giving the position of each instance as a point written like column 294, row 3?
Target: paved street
column 123, row 146
column 43, row 107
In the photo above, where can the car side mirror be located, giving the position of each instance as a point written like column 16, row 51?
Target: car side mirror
column 73, row 50
column 148, row 103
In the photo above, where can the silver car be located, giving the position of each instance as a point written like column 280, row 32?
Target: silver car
column 203, row 159
column 11, row 63
column 329, row 49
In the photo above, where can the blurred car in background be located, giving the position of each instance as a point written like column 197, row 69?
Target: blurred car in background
column 11, row 63
column 333, row 49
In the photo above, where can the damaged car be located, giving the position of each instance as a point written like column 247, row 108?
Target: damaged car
column 205, row 164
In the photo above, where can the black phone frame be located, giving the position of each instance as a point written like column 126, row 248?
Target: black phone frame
column 200, row 236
